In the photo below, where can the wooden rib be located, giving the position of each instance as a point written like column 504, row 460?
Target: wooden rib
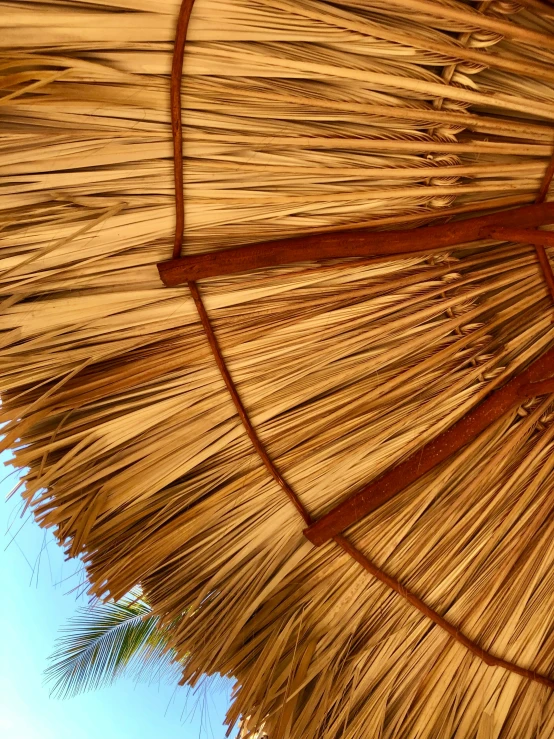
column 257, row 444
column 346, row 244
column 522, row 235
column 396, row 479
column 539, row 239
column 176, row 127
column 545, row 184
column 542, row 256
column 543, row 387
column 341, row 541
column 455, row 633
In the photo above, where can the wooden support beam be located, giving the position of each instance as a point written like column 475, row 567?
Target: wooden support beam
column 176, row 124
column 540, row 250
column 346, row 244
column 522, row 235
column 537, row 379
column 539, row 239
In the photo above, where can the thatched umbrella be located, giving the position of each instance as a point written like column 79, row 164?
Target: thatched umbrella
column 328, row 462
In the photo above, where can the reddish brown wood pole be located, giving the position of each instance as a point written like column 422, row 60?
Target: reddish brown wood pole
column 540, row 251
column 546, row 180
column 522, row 235
column 471, row 646
column 527, row 384
column 246, row 422
column 175, row 102
column 346, row 244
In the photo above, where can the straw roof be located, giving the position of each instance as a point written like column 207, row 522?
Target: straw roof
column 432, row 615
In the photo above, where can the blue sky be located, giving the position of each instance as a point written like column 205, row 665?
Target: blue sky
column 37, row 584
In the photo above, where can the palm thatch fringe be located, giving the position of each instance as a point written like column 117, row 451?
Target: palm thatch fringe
column 296, row 118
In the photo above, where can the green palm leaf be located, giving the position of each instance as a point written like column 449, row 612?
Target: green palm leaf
column 104, row 641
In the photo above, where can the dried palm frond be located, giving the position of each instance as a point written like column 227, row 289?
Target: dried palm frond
column 298, row 118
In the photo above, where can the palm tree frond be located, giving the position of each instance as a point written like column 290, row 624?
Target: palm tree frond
column 102, row 642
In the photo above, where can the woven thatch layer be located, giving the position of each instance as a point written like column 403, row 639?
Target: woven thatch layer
column 133, row 448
